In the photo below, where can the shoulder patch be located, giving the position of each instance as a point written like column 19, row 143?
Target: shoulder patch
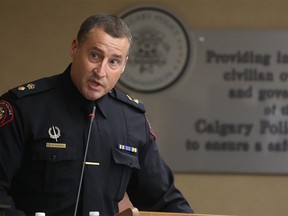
column 150, row 129
column 6, row 112
column 37, row 86
column 118, row 95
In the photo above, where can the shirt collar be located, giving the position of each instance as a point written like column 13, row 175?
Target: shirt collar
column 102, row 104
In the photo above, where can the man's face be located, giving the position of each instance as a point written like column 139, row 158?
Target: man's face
column 97, row 63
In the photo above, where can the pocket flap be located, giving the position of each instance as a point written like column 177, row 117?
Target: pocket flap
column 53, row 154
column 125, row 158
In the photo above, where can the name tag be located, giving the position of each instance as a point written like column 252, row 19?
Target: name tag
column 56, row 145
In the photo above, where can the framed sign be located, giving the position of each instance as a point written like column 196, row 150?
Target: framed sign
column 230, row 113
column 160, row 51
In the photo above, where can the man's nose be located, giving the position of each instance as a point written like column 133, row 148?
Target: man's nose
column 99, row 70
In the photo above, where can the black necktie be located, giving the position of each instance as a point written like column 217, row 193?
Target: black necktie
column 92, row 176
column 90, row 181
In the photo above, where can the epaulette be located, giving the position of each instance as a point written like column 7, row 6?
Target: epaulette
column 118, row 95
column 31, row 88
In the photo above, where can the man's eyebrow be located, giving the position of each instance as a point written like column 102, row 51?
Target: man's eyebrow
column 97, row 49
column 117, row 56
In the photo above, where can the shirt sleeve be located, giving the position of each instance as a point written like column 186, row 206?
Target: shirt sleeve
column 11, row 146
column 152, row 187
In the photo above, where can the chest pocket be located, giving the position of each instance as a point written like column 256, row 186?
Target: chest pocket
column 54, row 165
column 123, row 164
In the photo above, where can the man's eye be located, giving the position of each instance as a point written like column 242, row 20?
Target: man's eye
column 115, row 61
column 94, row 55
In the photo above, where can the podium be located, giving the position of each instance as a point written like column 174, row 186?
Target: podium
column 2, row 209
column 135, row 212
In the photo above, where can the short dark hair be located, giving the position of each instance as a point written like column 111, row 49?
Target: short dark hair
column 111, row 24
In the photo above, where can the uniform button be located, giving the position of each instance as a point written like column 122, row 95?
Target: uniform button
column 54, row 157
column 130, row 162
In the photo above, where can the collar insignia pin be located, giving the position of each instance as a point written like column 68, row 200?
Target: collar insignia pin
column 21, row 88
column 134, row 100
column 31, row 86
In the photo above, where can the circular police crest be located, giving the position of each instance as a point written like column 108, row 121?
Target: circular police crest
column 6, row 112
column 160, row 51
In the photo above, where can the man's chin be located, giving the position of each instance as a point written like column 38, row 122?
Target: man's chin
column 94, row 96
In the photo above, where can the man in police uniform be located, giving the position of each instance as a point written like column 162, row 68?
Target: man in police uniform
column 46, row 126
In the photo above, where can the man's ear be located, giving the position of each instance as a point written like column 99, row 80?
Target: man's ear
column 74, row 48
column 125, row 65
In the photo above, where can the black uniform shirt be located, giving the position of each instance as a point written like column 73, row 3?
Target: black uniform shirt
column 43, row 132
